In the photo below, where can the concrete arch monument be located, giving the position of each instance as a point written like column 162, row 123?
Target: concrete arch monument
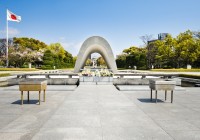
column 95, row 44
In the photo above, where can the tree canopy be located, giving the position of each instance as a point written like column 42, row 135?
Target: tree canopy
column 132, row 57
column 176, row 52
column 60, row 57
column 170, row 52
column 29, row 50
column 30, row 43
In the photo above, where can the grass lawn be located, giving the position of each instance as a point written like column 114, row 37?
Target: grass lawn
column 175, row 70
column 66, row 69
column 18, row 69
column 4, row 74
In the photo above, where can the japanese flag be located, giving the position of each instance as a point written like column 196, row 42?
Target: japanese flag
column 13, row 17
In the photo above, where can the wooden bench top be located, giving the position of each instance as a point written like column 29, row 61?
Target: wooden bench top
column 33, row 82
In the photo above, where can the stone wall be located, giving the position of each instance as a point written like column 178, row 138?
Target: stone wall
column 138, row 81
column 52, row 81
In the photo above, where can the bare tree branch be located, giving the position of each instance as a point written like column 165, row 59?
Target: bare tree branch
column 146, row 38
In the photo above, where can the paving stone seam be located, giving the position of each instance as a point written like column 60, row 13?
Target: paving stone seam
column 152, row 120
column 33, row 133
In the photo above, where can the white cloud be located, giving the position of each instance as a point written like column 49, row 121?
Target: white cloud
column 62, row 38
column 67, row 45
column 11, row 32
column 77, row 46
column 71, row 47
column 116, row 52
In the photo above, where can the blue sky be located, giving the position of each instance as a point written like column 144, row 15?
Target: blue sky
column 120, row 22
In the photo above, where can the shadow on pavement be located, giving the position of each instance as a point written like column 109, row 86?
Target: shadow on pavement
column 148, row 100
column 25, row 102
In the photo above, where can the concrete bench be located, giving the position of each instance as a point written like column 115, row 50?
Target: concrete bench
column 160, row 84
column 32, row 85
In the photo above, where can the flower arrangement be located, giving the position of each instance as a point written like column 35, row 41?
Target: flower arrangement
column 96, row 72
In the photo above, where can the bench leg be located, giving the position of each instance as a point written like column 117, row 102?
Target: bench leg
column 172, row 96
column 151, row 94
column 21, row 97
column 39, row 97
column 156, row 96
column 28, row 96
column 44, row 96
column 165, row 95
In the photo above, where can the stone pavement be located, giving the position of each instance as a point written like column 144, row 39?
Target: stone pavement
column 100, row 112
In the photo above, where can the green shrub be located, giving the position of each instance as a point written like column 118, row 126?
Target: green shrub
column 142, row 68
column 47, row 67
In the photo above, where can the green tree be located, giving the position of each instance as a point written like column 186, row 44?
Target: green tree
column 135, row 57
column 186, row 50
column 175, row 52
column 197, row 43
column 30, row 43
column 121, row 61
column 57, row 49
column 74, row 60
column 152, row 50
column 48, row 60
column 25, row 50
column 101, row 61
column 165, row 52
column 88, row 62
column 62, row 58
column 68, row 60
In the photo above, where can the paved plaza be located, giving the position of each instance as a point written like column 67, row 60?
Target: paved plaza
column 99, row 112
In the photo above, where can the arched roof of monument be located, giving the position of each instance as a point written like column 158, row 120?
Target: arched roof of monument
column 95, row 44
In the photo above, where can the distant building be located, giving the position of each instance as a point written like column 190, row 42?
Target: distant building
column 150, row 41
column 162, row 36
column 3, row 46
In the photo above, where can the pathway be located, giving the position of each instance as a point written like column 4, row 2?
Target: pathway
column 100, row 112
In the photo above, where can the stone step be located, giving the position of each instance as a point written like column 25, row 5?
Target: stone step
column 140, row 88
column 96, row 83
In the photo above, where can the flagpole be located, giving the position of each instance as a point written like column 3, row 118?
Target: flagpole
column 7, row 62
